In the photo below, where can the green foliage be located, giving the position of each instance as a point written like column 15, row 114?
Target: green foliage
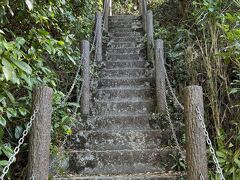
column 202, row 48
column 39, row 45
column 125, row 7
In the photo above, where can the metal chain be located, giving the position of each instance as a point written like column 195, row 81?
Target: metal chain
column 209, row 142
column 174, row 134
column 171, row 90
column 20, row 142
column 169, row 118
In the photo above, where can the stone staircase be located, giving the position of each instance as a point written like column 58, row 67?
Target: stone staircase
column 118, row 140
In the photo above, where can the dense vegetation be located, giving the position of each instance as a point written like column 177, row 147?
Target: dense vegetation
column 39, row 45
column 202, row 44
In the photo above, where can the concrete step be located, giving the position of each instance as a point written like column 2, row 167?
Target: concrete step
column 125, row 23
column 125, row 64
column 127, row 92
column 123, row 106
column 118, row 140
column 123, row 82
column 125, row 45
column 127, row 56
column 124, row 17
column 124, row 29
column 128, row 39
column 116, row 122
column 142, row 176
column 126, row 50
column 124, row 72
column 126, row 34
column 119, row 162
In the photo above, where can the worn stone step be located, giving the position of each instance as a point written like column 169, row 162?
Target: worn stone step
column 125, row 45
column 125, row 64
column 122, row 25
column 124, row 17
column 126, row 50
column 121, row 82
column 116, row 122
column 126, row 34
column 128, row 39
column 124, row 106
column 125, row 29
column 127, row 56
column 125, row 23
column 124, row 72
column 127, row 92
column 119, row 162
column 118, row 140
column 142, row 176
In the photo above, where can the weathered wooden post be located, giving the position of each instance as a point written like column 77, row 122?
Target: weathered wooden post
column 160, row 77
column 40, row 135
column 98, row 36
column 106, row 14
column 195, row 139
column 110, row 7
column 150, row 39
column 85, row 98
column 143, row 6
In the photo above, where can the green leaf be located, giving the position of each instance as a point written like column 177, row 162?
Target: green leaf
column 234, row 90
column 3, row 163
column 10, row 96
column 3, row 121
column 29, row 4
column 18, row 132
column 23, row 66
column 20, row 40
column 23, row 111
column 11, row 113
column 71, row 59
column 61, row 43
column 7, row 72
column 7, row 151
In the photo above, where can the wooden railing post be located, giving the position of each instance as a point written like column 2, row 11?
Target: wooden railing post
column 150, row 39
column 160, row 77
column 110, row 7
column 85, row 98
column 106, row 14
column 98, row 36
column 195, row 139
column 144, row 14
column 40, row 135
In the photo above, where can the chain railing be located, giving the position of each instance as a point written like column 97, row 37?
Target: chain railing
column 92, row 48
column 20, row 142
column 201, row 119
column 209, row 142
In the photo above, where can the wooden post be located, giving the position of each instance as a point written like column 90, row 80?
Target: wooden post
column 160, row 77
column 98, row 36
column 140, row 7
column 110, row 7
column 85, row 98
column 40, row 135
column 195, row 139
column 144, row 14
column 106, row 14
column 150, row 40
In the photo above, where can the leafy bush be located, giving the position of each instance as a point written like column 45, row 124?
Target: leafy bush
column 39, row 45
